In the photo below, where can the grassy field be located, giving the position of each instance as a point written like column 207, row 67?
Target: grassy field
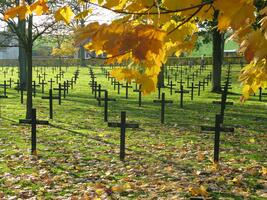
column 78, row 152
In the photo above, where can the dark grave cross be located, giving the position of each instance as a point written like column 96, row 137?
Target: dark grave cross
column 92, row 85
column 223, row 103
column 12, row 71
column 5, row 73
column 34, row 86
column 127, row 89
column 34, row 122
column 57, row 78
column 99, row 90
column 188, row 78
column 43, row 83
column 71, row 83
column 44, row 75
column 39, row 78
column 5, row 87
column 37, row 72
column 65, row 88
column 10, row 81
column 18, row 87
column 193, row 76
column 50, row 98
column 217, row 129
column 170, row 86
column 106, row 100
column 163, row 102
column 139, row 95
column 192, row 90
column 181, row 82
column 59, row 89
column 168, row 80
column 51, row 83
column 182, row 92
column 122, row 125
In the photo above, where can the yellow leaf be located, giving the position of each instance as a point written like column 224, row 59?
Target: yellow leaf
column 263, row 171
column 21, row 11
column 252, row 140
column 39, row 7
column 201, row 191
column 64, row 14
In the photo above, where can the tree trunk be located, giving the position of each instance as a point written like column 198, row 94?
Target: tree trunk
column 22, row 58
column 82, row 50
column 82, row 56
column 29, row 68
column 161, row 77
column 216, row 57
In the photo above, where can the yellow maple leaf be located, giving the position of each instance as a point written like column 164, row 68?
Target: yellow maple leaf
column 20, row 11
column 39, row 7
column 64, row 14
column 201, row 191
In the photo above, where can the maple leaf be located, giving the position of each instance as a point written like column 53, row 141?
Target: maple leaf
column 234, row 13
column 39, row 7
column 20, row 11
column 64, row 14
column 201, row 191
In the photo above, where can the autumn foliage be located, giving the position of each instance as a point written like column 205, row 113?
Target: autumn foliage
column 149, row 31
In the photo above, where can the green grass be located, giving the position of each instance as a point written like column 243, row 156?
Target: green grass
column 78, row 153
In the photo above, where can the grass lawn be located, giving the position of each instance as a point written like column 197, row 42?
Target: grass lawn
column 78, row 152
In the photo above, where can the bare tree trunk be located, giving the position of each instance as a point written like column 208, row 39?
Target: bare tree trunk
column 217, row 57
column 82, row 50
column 29, row 68
column 161, row 77
column 22, row 58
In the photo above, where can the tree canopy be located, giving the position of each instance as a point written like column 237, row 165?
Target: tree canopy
column 148, row 31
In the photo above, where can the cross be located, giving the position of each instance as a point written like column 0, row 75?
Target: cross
column 192, row 90
column 217, row 129
column 57, row 77
column 163, row 102
column 51, row 83
column 171, row 87
column 44, row 75
column 12, row 71
column 193, row 76
column 127, row 89
column 33, row 121
column 10, row 81
column 17, row 85
column 188, row 78
column 5, row 73
column 122, row 125
column 92, row 84
column 106, row 100
column 223, row 103
column 34, row 88
column 99, row 90
column 139, row 95
column 59, row 93
column 181, row 82
column 43, row 85
column 39, row 78
column 119, row 85
column 37, row 72
column 50, row 97
column 182, row 92
column 5, row 87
